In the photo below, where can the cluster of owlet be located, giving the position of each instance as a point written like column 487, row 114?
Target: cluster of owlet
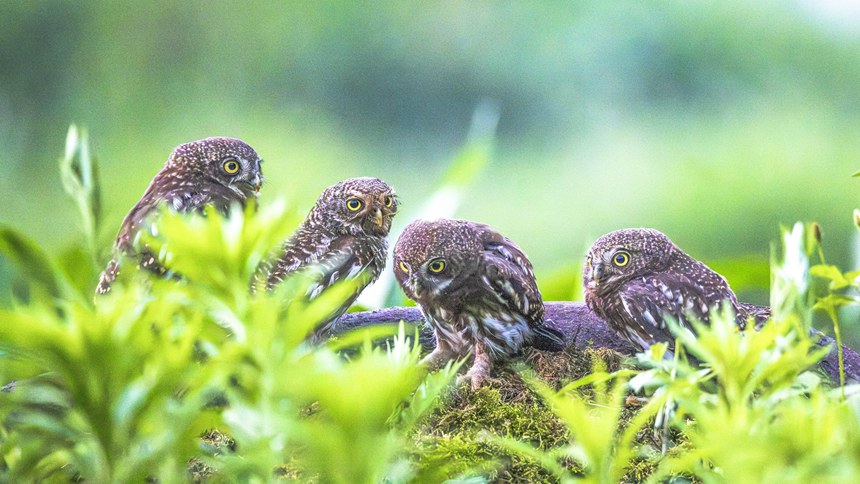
column 474, row 286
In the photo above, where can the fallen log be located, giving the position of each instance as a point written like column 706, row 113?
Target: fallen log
column 583, row 329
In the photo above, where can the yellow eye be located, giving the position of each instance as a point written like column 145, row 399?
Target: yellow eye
column 437, row 266
column 389, row 201
column 231, row 166
column 404, row 267
column 621, row 259
column 354, row 204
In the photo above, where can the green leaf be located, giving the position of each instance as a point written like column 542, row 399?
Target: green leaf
column 837, row 279
column 79, row 174
column 833, row 301
column 34, row 265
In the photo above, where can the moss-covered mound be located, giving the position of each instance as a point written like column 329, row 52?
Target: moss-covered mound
column 460, row 437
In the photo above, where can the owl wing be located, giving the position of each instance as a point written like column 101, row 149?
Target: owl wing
column 179, row 198
column 304, row 248
column 646, row 304
column 331, row 261
column 346, row 258
column 509, row 274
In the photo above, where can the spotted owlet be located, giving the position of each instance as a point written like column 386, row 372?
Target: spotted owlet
column 637, row 278
column 213, row 171
column 477, row 291
column 343, row 237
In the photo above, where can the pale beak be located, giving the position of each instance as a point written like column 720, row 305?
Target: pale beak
column 378, row 217
column 596, row 272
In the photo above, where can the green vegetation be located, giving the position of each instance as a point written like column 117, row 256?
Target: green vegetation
column 712, row 122
column 200, row 380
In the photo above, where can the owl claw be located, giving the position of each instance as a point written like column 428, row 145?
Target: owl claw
column 475, row 379
column 438, row 358
column 479, row 373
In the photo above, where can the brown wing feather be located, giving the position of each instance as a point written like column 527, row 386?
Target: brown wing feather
column 643, row 306
column 508, row 267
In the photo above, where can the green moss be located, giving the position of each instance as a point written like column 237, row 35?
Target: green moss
column 454, row 441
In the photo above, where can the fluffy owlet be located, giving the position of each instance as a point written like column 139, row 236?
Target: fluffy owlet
column 476, row 289
column 343, row 237
column 635, row 278
column 213, row 171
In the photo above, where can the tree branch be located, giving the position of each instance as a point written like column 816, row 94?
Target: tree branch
column 582, row 329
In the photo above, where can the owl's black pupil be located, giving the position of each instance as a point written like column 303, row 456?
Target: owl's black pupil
column 354, row 204
column 620, row 258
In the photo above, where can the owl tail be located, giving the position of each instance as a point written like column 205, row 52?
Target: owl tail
column 548, row 339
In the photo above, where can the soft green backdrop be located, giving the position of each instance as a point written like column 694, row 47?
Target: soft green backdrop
column 711, row 121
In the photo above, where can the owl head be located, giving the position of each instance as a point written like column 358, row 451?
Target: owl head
column 624, row 254
column 357, row 206
column 226, row 161
column 431, row 255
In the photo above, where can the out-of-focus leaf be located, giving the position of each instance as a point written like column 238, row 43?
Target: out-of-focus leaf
column 562, row 284
column 744, row 273
column 34, row 265
column 79, row 174
column 444, row 202
column 790, row 286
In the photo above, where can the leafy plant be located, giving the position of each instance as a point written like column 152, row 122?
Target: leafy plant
column 752, row 411
column 602, row 443
column 122, row 390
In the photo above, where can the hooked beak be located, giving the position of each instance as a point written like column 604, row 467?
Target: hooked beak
column 596, row 273
column 378, row 217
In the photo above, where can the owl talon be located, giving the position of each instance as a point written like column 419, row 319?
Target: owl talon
column 437, row 359
column 475, row 378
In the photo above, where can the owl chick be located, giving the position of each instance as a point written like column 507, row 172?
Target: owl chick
column 477, row 291
column 212, row 171
column 343, row 237
column 636, row 278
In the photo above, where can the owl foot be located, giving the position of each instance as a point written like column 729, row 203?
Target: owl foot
column 479, row 373
column 438, row 358
column 475, row 378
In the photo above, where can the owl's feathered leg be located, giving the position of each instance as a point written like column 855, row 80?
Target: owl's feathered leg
column 480, row 370
column 107, row 277
column 440, row 356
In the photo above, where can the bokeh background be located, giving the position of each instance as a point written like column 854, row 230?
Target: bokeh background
column 714, row 122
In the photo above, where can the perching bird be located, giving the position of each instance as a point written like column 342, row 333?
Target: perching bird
column 213, row 171
column 637, row 278
column 343, row 237
column 477, row 291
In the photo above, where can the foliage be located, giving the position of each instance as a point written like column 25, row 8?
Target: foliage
column 601, row 443
column 121, row 390
column 744, row 405
column 753, row 412
column 199, row 378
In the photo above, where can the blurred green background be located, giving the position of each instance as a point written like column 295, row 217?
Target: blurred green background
column 714, row 122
